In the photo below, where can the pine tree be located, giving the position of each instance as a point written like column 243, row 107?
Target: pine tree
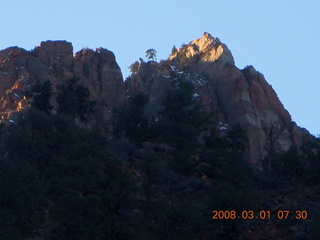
column 151, row 54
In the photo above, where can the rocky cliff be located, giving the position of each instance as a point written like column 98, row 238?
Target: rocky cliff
column 54, row 61
column 237, row 96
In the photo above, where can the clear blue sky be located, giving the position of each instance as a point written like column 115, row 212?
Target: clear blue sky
column 280, row 38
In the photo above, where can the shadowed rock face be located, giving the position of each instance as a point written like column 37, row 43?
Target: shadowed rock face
column 54, row 61
column 236, row 96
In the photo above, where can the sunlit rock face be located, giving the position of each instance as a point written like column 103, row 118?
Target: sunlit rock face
column 238, row 97
column 203, row 53
column 14, row 81
column 54, row 61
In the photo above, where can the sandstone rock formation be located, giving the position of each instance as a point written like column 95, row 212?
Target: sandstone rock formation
column 54, row 61
column 236, row 96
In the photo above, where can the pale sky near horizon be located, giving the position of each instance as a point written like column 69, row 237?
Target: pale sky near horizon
column 280, row 38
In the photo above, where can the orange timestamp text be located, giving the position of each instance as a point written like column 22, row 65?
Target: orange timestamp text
column 249, row 214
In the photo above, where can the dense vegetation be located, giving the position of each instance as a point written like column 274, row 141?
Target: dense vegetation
column 158, row 178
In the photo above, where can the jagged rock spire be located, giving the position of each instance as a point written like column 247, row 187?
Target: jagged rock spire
column 208, row 49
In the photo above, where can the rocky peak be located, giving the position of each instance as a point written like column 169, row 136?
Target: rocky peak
column 55, row 53
column 53, row 61
column 206, row 49
column 206, row 41
column 238, row 97
column 56, row 47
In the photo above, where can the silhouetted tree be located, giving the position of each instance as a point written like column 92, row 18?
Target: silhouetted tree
column 41, row 93
column 174, row 49
column 274, row 132
column 130, row 120
column 74, row 99
column 151, row 54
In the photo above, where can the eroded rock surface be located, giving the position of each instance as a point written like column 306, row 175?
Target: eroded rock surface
column 54, row 61
column 237, row 96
